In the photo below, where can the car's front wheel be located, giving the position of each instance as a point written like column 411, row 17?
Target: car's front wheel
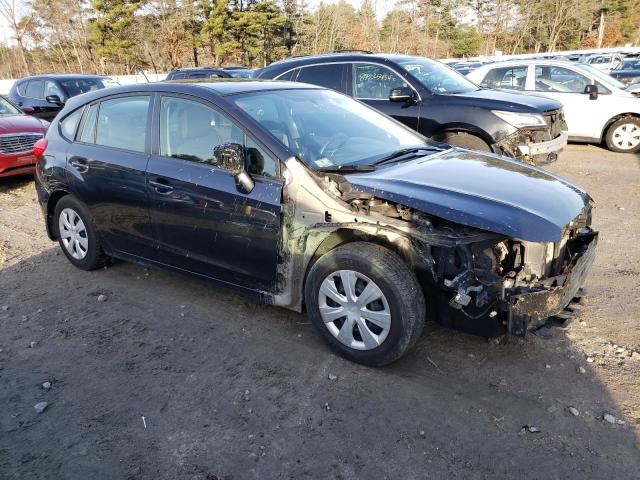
column 624, row 135
column 76, row 234
column 365, row 302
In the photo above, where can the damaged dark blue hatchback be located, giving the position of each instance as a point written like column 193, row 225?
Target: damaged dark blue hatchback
column 309, row 199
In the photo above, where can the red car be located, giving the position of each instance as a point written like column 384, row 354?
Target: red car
column 18, row 133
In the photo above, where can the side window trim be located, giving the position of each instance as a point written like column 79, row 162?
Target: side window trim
column 83, row 121
column 155, row 133
column 84, row 109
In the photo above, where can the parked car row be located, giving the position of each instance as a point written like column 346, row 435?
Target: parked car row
column 308, row 199
column 437, row 102
column 597, row 107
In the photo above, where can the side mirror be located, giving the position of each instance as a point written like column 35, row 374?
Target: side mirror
column 28, row 110
column 231, row 157
column 401, row 95
column 55, row 99
column 592, row 91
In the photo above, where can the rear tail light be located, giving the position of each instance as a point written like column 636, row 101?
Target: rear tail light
column 40, row 146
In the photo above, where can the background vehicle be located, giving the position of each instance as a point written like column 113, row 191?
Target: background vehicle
column 204, row 72
column 603, row 62
column 597, row 107
column 47, row 94
column 436, row 101
column 370, row 220
column 239, row 71
column 628, row 71
column 18, row 133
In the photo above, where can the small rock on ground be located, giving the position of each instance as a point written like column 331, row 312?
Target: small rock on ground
column 574, row 411
column 41, row 406
column 46, row 385
column 102, row 298
column 332, row 376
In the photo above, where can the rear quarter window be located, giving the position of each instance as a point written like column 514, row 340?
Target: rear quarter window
column 69, row 124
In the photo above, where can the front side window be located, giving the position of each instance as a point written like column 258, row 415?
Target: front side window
column 374, row 81
column 326, row 129
column 329, row 75
column 560, row 79
column 510, row 78
column 190, row 131
column 52, row 88
column 122, row 123
column 35, row 89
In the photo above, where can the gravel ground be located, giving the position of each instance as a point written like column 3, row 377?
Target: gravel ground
column 168, row 377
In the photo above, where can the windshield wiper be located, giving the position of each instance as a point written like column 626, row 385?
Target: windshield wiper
column 413, row 151
column 347, row 169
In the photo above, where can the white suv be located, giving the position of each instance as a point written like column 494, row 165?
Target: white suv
column 597, row 107
column 605, row 62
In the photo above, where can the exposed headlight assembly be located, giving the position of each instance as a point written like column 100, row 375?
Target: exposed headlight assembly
column 521, row 120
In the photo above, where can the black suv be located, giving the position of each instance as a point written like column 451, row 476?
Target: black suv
column 436, row 101
column 47, row 94
column 304, row 197
column 191, row 73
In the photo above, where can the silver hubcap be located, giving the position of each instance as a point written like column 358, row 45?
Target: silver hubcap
column 73, row 233
column 626, row 136
column 354, row 309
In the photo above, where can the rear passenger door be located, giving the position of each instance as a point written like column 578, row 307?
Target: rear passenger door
column 328, row 75
column 372, row 84
column 106, row 170
column 203, row 224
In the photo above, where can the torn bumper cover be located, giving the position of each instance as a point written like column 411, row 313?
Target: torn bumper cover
column 544, row 148
column 525, row 308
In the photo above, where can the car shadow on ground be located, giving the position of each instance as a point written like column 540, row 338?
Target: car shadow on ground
column 11, row 183
column 230, row 388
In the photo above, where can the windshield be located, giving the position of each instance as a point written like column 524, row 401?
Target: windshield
column 326, row 129
column 7, row 109
column 436, row 77
column 601, row 76
column 629, row 65
column 76, row 86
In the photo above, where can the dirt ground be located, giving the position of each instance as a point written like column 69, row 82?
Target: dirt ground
column 173, row 378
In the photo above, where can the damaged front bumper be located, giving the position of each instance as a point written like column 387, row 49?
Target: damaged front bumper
column 532, row 306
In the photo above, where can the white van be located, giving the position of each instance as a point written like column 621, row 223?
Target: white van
column 597, row 107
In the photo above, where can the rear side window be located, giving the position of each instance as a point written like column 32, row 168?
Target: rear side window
column 69, row 124
column 328, row 76
column 122, row 123
column 290, row 75
column 510, row 78
column 375, row 82
column 88, row 134
column 35, row 89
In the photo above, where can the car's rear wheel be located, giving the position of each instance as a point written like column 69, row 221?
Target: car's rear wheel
column 76, row 234
column 624, row 135
column 463, row 139
column 365, row 302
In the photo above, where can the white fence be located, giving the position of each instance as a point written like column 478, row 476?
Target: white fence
column 5, row 85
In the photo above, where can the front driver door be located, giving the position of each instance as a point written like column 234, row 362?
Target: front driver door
column 203, row 223
column 372, row 83
column 585, row 117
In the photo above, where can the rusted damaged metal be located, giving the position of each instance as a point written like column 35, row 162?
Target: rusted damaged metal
column 481, row 281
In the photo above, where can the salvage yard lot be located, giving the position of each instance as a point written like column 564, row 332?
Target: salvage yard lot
column 232, row 389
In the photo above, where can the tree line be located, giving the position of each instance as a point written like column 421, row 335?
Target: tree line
column 127, row 36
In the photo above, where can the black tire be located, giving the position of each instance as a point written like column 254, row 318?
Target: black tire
column 463, row 139
column 396, row 281
column 95, row 256
column 613, row 142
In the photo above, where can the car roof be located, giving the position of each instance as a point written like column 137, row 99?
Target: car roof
column 196, row 69
column 221, row 87
column 63, row 76
column 291, row 62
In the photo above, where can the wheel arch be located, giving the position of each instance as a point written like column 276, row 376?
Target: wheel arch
column 402, row 246
column 53, row 200
column 468, row 129
column 614, row 119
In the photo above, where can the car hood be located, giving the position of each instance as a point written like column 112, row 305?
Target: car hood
column 21, row 124
column 511, row 101
column 480, row 190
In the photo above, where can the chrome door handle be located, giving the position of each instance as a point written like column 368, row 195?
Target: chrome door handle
column 161, row 188
column 80, row 164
